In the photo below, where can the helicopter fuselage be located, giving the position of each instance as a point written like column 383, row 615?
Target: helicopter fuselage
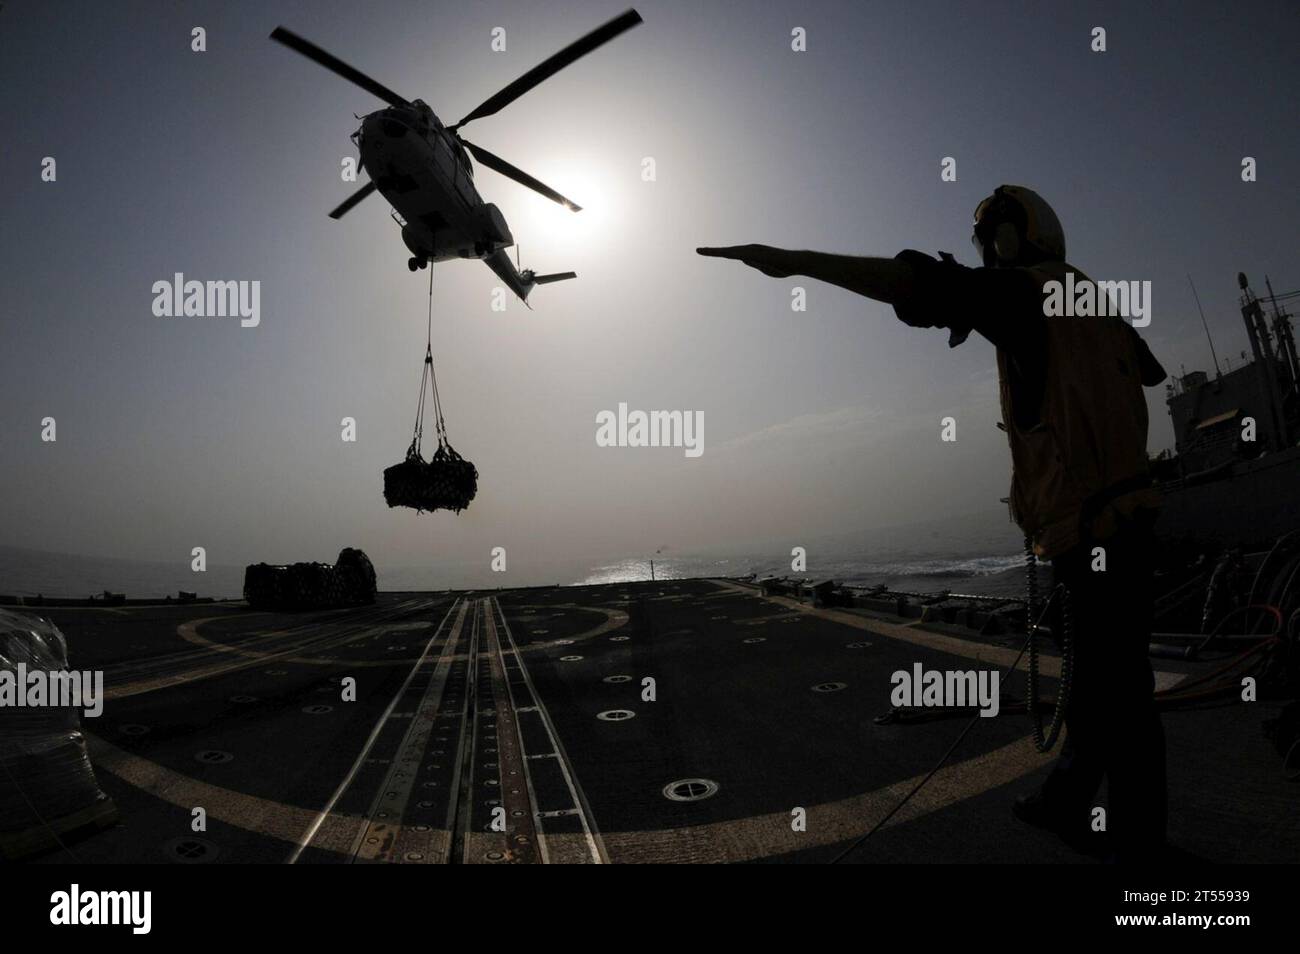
column 422, row 167
column 425, row 174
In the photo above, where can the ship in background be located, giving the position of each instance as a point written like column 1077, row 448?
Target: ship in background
column 1229, row 528
column 1221, row 490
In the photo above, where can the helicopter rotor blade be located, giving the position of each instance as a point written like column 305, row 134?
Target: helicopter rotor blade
column 498, row 164
column 548, row 68
column 332, row 63
column 346, row 205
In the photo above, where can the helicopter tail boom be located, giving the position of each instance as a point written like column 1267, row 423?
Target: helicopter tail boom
column 521, row 283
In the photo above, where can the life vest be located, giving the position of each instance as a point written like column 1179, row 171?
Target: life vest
column 1084, row 463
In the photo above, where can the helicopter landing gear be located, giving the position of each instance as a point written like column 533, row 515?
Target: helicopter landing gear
column 413, row 263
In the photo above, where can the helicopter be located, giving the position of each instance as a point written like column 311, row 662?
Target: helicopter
column 422, row 167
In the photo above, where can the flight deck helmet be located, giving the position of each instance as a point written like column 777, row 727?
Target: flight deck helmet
column 1015, row 226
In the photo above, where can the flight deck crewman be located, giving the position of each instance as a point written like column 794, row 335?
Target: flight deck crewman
column 1076, row 420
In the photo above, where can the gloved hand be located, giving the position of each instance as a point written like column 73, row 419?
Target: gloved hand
column 768, row 260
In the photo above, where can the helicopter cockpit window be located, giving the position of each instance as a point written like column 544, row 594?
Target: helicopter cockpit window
column 446, row 160
column 464, row 160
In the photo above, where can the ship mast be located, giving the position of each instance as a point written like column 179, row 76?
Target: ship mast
column 1266, row 362
column 1206, row 325
column 1285, row 335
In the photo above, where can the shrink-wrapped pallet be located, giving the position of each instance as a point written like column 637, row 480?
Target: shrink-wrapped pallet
column 47, row 785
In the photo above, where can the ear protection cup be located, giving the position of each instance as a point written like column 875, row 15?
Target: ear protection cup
column 1015, row 225
column 1006, row 242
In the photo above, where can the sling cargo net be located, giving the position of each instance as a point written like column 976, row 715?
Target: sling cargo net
column 446, row 481
column 348, row 582
column 47, row 786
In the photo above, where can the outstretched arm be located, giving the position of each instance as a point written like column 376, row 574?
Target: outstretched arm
column 884, row 279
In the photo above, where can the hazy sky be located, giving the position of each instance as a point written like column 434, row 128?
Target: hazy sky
column 183, row 432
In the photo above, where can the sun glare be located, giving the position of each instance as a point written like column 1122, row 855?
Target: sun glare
column 540, row 225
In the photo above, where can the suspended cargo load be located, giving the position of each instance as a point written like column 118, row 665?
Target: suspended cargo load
column 307, row 586
column 446, row 481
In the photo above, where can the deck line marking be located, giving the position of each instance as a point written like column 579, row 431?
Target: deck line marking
column 188, row 629
column 252, row 813
column 456, row 811
column 306, row 643
column 742, row 839
column 540, row 831
column 735, row 840
column 912, row 632
column 831, row 823
column 591, row 833
column 508, row 761
column 414, row 742
column 324, row 813
column 614, row 619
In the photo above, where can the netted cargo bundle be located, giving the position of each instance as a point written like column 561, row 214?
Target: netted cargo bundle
column 446, row 482
column 313, row 585
column 305, row 586
column 359, row 582
column 264, row 585
column 47, row 786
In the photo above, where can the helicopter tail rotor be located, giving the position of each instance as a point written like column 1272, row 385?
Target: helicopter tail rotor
column 547, row 279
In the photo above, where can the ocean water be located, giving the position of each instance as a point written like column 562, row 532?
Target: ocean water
column 26, row 572
column 907, row 571
column 957, row 554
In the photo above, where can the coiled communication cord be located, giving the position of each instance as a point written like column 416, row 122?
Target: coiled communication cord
column 1045, row 742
